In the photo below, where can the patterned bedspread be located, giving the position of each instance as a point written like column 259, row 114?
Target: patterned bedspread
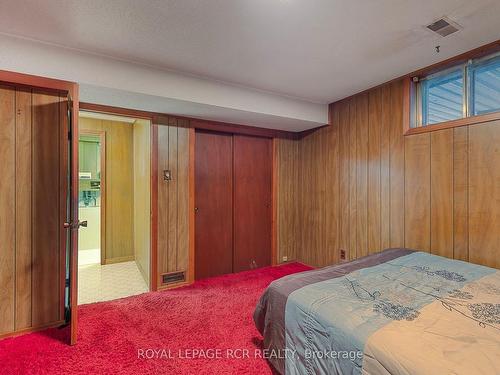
column 396, row 312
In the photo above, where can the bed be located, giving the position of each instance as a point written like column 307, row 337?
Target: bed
column 395, row 312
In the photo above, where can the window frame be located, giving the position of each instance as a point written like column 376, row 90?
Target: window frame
column 412, row 107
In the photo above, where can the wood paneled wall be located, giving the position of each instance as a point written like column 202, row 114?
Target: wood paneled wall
column 364, row 186
column 286, row 198
column 173, row 197
column 119, row 228
column 33, row 132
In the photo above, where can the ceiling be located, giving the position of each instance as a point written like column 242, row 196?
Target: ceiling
column 314, row 50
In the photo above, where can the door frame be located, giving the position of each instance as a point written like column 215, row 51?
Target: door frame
column 102, row 138
column 70, row 89
column 274, row 188
column 153, row 248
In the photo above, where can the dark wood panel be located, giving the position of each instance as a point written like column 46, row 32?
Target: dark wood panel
column 172, row 197
column 183, row 199
column 332, row 196
column 417, row 192
column 23, row 209
column 45, row 218
column 460, row 194
column 362, row 174
column 287, row 202
column 214, row 204
column 344, row 191
column 7, row 209
column 353, row 218
column 162, row 144
column 442, row 193
column 397, row 168
column 374, row 171
column 385, row 165
column 252, row 202
column 484, row 194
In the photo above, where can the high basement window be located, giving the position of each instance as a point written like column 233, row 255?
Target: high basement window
column 468, row 89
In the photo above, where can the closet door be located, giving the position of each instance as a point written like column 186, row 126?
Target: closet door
column 214, row 204
column 252, row 202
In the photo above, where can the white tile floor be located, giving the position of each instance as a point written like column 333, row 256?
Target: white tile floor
column 98, row 283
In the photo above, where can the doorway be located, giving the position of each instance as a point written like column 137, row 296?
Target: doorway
column 233, row 199
column 114, row 205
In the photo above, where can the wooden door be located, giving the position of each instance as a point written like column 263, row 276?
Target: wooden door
column 214, row 204
column 252, row 202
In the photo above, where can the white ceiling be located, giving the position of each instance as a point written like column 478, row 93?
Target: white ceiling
column 314, row 50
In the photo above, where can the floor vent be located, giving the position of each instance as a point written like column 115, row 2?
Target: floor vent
column 173, row 277
column 444, row 27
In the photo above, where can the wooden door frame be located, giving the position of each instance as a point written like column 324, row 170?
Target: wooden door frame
column 102, row 138
column 141, row 115
column 71, row 89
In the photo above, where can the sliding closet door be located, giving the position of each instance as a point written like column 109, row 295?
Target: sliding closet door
column 252, row 202
column 214, row 204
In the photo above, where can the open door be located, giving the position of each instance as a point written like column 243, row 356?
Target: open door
column 72, row 224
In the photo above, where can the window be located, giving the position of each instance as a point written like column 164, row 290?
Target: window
column 469, row 89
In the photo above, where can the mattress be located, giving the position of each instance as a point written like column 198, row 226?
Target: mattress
column 395, row 312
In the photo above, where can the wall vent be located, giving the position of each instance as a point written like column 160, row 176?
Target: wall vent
column 173, row 277
column 444, row 27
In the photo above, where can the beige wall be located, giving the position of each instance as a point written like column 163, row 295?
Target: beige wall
column 142, row 202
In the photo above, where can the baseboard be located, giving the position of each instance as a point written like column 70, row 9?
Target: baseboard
column 32, row 329
column 119, row 259
column 144, row 276
column 174, row 285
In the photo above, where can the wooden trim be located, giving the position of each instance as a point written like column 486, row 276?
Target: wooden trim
column 110, row 110
column 127, row 258
column 173, row 285
column 163, row 119
column 473, row 120
column 24, row 331
column 154, row 209
column 407, row 100
column 242, row 129
column 31, row 81
column 63, row 195
column 74, row 216
column 274, row 204
column 191, row 258
column 102, row 137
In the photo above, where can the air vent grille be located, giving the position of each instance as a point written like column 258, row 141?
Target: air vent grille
column 444, row 27
column 173, row 277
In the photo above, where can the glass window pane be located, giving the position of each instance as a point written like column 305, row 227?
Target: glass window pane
column 442, row 97
column 485, row 86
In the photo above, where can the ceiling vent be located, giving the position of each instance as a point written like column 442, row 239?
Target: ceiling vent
column 444, row 27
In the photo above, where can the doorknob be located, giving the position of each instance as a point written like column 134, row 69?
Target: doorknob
column 196, row 210
column 76, row 225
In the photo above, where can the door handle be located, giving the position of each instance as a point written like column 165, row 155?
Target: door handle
column 76, row 225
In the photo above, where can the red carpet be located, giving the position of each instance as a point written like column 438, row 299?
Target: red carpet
column 211, row 314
